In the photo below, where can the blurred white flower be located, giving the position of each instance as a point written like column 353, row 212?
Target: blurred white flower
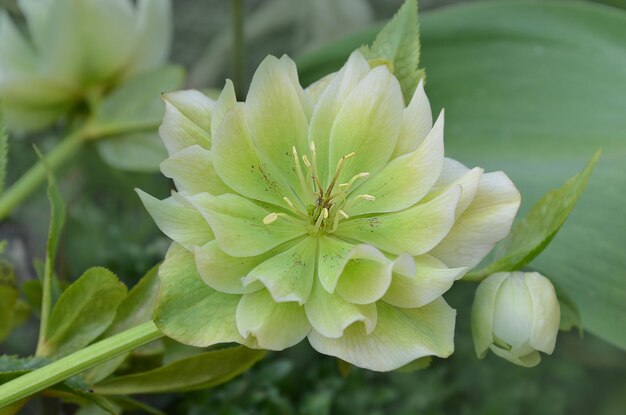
column 75, row 50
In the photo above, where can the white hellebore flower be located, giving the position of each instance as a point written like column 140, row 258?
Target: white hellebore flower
column 327, row 213
column 74, row 49
column 516, row 315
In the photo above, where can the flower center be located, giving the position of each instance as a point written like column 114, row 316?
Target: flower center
column 329, row 206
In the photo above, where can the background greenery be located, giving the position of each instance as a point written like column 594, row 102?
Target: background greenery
column 529, row 87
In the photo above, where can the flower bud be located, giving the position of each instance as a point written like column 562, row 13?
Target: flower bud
column 516, row 315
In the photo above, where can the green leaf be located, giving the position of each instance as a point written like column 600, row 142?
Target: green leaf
column 527, row 90
column 398, row 46
column 139, row 152
column 197, row 372
column 57, row 220
column 9, row 295
column 533, row 233
column 136, row 308
column 136, row 105
column 84, row 311
column 4, row 150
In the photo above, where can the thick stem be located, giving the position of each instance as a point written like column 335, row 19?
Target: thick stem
column 77, row 362
column 238, row 51
column 36, row 175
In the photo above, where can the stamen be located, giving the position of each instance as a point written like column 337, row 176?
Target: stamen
column 270, row 218
column 337, row 172
column 301, row 178
column 346, row 186
column 340, row 215
column 369, row 198
column 343, row 214
column 323, row 215
column 306, row 161
column 316, row 174
column 294, row 209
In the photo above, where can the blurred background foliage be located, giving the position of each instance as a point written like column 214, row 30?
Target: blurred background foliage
column 107, row 226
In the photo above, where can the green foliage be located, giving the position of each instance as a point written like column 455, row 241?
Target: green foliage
column 129, row 117
column 4, row 151
column 136, row 308
column 197, row 372
column 84, row 311
column 511, row 76
column 9, row 295
column 398, row 46
column 570, row 316
column 533, row 233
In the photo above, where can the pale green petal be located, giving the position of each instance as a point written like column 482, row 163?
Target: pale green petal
column 332, row 258
column 401, row 336
column 417, row 120
column 330, row 314
column 486, row 221
column 188, row 310
column 154, row 34
column 367, row 124
column 530, row 360
column 545, row 310
column 107, row 33
column 317, row 88
column 237, row 163
column 288, row 276
column 426, row 281
column 455, row 173
column 37, row 14
column 482, row 312
column 187, row 120
column 178, row 219
column 512, row 316
column 365, row 276
column 274, row 326
column 18, row 56
column 335, row 92
column 225, row 273
column 225, row 102
column 276, row 117
column 405, row 180
column 289, row 66
column 415, row 230
column 238, row 224
column 193, row 172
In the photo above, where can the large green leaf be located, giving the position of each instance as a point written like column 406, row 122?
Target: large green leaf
column 84, row 311
column 533, row 89
column 197, row 372
column 4, row 150
column 532, row 234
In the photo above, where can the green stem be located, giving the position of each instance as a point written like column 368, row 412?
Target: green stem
column 77, row 362
column 36, row 175
column 238, row 52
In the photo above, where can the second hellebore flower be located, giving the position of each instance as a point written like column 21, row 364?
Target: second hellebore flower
column 516, row 315
column 74, row 49
column 328, row 213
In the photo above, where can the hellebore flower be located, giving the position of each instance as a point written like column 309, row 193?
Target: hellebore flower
column 75, row 49
column 516, row 315
column 328, row 213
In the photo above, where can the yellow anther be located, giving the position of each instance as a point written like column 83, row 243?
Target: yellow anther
column 343, row 214
column 289, row 202
column 306, row 161
column 325, row 213
column 270, row 218
column 369, row 198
